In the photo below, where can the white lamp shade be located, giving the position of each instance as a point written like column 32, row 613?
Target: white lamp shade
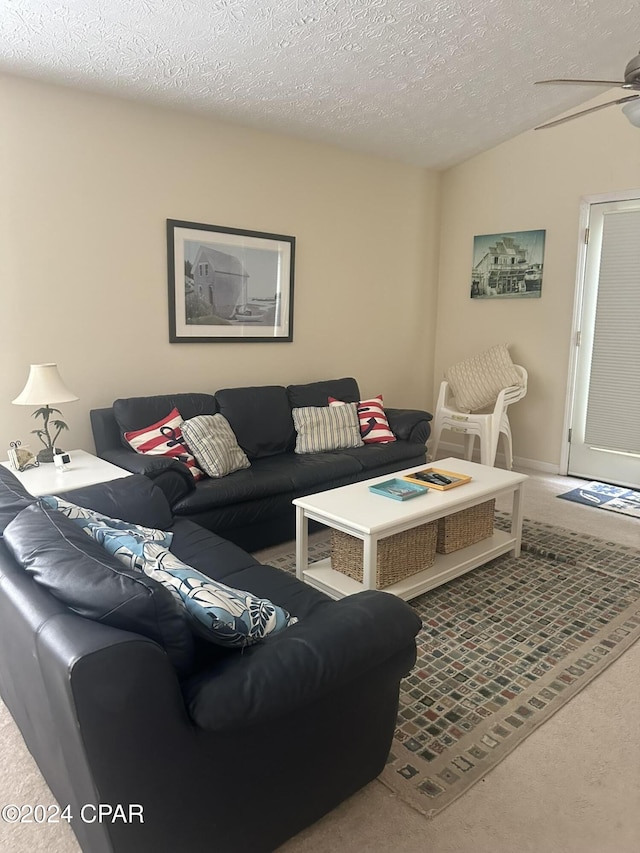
column 44, row 386
column 632, row 112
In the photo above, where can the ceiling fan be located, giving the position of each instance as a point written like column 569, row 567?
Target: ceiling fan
column 631, row 81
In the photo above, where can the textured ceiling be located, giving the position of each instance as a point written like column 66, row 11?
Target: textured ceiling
column 430, row 83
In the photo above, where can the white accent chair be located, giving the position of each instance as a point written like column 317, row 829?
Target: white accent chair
column 487, row 424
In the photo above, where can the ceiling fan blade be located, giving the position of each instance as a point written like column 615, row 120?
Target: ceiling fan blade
column 584, row 82
column 586, row 112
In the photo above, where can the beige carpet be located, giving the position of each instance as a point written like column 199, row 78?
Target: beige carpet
column 572, row 787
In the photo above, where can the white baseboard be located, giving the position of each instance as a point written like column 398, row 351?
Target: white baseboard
column 536, row 465
column 452, row 449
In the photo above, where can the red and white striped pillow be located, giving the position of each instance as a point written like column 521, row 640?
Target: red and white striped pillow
column 165, row 438
column 374, row 426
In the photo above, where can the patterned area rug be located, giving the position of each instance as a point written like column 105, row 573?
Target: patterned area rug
column 605, row 496
column 501, row 649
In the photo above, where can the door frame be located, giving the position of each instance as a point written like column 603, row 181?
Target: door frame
column 583, row 222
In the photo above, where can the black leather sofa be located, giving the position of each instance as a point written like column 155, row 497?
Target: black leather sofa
column 240, row 750
column 253, row 507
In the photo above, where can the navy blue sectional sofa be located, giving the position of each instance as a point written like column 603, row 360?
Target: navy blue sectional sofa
column 252, row 507
column 226, row 750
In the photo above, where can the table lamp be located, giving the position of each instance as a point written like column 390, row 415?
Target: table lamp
column 45, row 386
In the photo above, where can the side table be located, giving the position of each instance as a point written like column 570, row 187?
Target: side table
column 85, row 469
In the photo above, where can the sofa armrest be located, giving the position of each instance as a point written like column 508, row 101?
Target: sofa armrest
column 303, row 663
column 136, row 499
column 69, row 648
column 115, row 706
column 410, row 424
column 171, row 475
column 139, row 463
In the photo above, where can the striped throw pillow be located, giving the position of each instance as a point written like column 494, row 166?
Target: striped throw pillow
column 374, row 426
column 164, row 438
column 322, row 428
column 214, row 444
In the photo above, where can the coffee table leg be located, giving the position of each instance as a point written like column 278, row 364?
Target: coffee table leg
column 517, row 512
column 369, row 562
column 302, row 543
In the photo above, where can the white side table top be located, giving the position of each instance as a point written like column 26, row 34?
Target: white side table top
column 83, row 470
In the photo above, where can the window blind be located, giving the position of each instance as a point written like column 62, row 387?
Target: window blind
column 613, row 410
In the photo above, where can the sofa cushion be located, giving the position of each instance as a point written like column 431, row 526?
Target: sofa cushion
column 13, row 497
column 133, row 413
column 322, row 428
column 134, row 499
column 374, row 426
column 209, row 553
column 214, row 444
column 268, row 477
column 164, row 438
column 314, row 472
column 317, row 393
column 260, row 418
column 265, row 477
column 225, row 615
column 80, row 573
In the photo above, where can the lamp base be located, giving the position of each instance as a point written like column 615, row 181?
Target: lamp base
column 46, row 454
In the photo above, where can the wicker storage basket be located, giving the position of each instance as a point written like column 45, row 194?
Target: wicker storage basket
column 399, row 556
column 465, row 527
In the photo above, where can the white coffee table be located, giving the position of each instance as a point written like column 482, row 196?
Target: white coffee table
column 370, row 517
column 85, row 469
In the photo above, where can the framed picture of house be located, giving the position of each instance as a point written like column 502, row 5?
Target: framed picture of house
column 508, row 265
column 227, row 284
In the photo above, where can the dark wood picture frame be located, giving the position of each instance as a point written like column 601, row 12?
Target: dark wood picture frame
column 229, row 284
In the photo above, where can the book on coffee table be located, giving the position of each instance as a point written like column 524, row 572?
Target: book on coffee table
column 442, row 480
column 399, row 489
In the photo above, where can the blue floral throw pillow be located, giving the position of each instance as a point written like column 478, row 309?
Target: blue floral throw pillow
column 226, row 616
column 222, row 614
column 91, row 522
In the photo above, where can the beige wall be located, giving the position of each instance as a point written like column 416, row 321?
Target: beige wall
column 533, row 181
column 87, row 184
